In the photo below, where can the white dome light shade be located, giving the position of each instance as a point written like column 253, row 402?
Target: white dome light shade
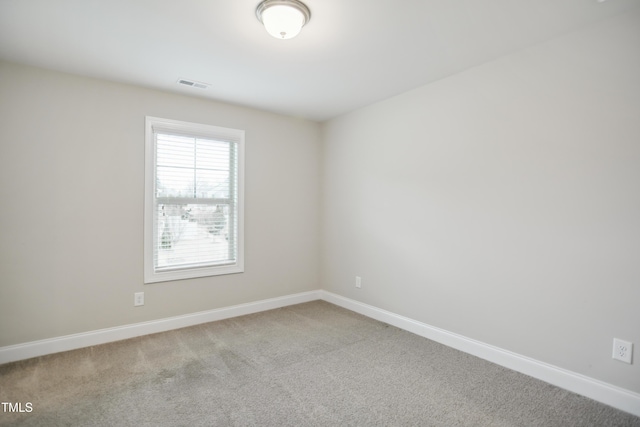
column 283, row 22
column 283, row 19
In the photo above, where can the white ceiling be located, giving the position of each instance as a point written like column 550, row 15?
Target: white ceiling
column 352, row 52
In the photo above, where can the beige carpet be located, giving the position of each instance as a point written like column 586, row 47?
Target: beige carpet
column 312, row 364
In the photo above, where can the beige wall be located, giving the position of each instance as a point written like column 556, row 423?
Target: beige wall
column 502, row 203
column 71, row 185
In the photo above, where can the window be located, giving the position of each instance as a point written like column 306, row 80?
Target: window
column 193, row 224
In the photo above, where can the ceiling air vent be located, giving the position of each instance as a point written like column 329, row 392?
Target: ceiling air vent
column 193, row 83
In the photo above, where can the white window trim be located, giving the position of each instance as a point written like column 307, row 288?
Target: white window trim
column 192, row 129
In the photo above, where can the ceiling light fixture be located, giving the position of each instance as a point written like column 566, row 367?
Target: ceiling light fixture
column 283, row 19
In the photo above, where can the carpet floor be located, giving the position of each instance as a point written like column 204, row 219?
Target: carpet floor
column 312, row 364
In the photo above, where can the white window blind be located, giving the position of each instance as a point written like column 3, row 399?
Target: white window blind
column 194, row 198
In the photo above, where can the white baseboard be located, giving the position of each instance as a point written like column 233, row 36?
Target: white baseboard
column 600, row 391
column 102, row 336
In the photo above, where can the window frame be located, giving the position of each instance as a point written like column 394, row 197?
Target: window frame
column 155, row 125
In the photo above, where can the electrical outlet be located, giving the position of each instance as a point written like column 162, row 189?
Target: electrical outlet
column 622, row 350
column 138, row 299
column 358, row 282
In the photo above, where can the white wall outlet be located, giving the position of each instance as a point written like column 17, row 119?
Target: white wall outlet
column 622, row 350
column 358, row 282
column 138, row 299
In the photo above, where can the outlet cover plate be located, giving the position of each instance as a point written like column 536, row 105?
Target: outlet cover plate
column 138, row 299
column 622, row 350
